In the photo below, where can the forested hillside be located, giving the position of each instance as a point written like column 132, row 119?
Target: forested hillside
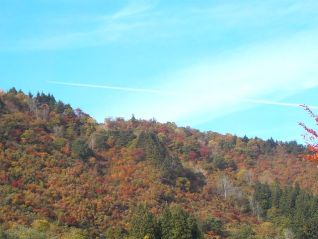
column 63, row 175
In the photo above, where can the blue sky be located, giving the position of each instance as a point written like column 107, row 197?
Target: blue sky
column 239, row 67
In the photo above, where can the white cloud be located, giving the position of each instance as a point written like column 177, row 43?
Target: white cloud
column 111, row 87
column 260, row 74
column 131, row 10
column 103, row 29
column 222, row 85
column 145, row 20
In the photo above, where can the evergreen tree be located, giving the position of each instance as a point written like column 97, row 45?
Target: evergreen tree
column 276, row 194
column 80, row 149
column 212, row 225
column 2, row 105
column 144, row 224
column 178, row 224
column 263, row 196
column 245, row 232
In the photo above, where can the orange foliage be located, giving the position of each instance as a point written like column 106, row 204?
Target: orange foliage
column 311, row 137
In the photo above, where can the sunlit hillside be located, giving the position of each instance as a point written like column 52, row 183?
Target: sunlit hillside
column 62, row 175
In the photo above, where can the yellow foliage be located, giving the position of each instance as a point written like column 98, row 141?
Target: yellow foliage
column 41, row 225
column 74, row 234
column 266, row 229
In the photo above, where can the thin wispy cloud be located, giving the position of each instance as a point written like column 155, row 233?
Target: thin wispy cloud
column 174, row 93
column 276, row 103
column 143, row 20
column 117, row 88
column 198, row 61
column 132, row 9
column 264, row 73
column 259, row 74
column 107, row 33
column 104, row 29
column 257, row 12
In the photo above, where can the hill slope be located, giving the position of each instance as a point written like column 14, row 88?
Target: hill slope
column 63, row 174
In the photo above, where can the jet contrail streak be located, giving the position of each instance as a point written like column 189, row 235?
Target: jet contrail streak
column 154, row 91
column 278, row 103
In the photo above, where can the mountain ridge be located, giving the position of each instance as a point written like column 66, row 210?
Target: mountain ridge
column 60, row 166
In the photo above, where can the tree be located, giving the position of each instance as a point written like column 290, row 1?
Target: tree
column 115, row 233
column 311, row 137
column 21, row 232
column 245, row 232
column 80, row 149
column 276, row 194
column 2, row 105
column 13, row 91
column 225, row 186
column 183, row 184
column 144, row 223
column 3, row 235
column 212, row 225
column 219, row 162
column 263, row 196
column 75, row 233
column 98, row 140
column 176, row 223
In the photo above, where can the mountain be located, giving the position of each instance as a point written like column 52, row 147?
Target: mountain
column 63, row 175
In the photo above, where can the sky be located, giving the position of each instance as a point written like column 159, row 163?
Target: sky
column 241, row 67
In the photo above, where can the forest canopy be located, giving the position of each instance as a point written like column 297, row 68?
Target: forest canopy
column 63, row 175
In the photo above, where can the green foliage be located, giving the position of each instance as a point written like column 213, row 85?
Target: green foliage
column 296, row 209
column 121, row 138
column 59, row 143
column 155, row 151
column 144, row 223
column 177, row 224
column 80, row 149
column 276, row 195
column 100, row 140
column 115, row 233
column 3, row 234
column 12, row 91
column 212, row 225
column 41, row 225
column 75, row 233
column 42, row 99
column 21, row 232
column 174, row 223
column 2, row 109
column 183, row 184
column 136, row 160
column 293, row 147
column 263, row 196
column 227, row 145
column 244, row 232
column 219, row 162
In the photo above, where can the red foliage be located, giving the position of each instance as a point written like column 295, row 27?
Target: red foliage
column 138, row 154
column 4, row 178
column 204, row 151
column 311, row 137
column 68, row 220
column 99, row 190
column 192, row 155
column 17, row 183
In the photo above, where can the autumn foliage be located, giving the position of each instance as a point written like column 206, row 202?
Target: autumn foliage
column 311, row 137
column 63, row 175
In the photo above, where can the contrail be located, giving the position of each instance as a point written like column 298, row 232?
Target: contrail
column 155, row 91
column 278, row 103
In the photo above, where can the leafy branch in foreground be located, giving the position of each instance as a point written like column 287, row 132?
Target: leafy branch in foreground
column 311, row 137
